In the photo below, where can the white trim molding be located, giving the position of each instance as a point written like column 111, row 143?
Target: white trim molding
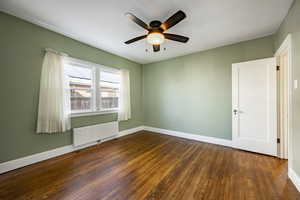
column 294, row 178
column 201, row 138
column 287, row 46
column 130, row 131
column 38, row 157
column 28, row 160
column 287, row 43
column 35, row 158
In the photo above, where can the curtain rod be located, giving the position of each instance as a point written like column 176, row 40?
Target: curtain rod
column 56, row 52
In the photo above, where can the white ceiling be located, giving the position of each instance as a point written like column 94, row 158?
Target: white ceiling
column 102, row 24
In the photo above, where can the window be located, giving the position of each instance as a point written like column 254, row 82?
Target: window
column 109, row 90
column 93, row 88
column 81, row 87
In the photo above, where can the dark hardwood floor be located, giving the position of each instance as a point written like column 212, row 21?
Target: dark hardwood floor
column 152, row 166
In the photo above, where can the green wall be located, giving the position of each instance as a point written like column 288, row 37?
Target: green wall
column 21, row 56
column 193, row 93
column 190, row 93
column 291, row 25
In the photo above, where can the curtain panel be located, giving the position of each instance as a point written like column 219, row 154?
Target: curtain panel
column 124, row 100
column 54, row 100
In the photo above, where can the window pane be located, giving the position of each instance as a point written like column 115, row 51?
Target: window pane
column 79, row 77
column 109, row 90
column 109, row 98
column 110, row 77
column 81, row 100
column 80, row 82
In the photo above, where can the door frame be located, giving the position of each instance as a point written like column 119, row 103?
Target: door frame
column 286, row 46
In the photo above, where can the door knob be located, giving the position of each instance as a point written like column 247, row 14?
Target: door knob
column 235, row 111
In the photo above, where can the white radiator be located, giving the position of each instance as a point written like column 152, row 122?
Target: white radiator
column 91, row 134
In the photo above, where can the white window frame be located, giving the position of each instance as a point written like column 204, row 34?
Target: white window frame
column 96, row 91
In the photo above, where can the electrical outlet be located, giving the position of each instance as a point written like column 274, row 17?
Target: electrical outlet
column 295, row 84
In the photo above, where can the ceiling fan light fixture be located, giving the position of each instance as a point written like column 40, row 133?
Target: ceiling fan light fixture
column 156, row 29
column 155, row 38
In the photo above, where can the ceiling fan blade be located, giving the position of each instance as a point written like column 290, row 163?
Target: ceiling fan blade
column 177, row 38
column 173, row 20
column 135, row 39
column 156, row 47
column 137, row 21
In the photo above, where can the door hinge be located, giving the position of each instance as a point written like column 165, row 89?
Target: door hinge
column 278, row 140
column 278, row 68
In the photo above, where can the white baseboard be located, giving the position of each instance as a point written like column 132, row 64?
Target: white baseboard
column 28, row 160
column 38, row 157
column 130, row 131
column 294, row 178
column 191, row 136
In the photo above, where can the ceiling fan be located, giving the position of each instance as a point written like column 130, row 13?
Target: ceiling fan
column 156, row 29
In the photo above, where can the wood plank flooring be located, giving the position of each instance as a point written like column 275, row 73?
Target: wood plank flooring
column 146, row 165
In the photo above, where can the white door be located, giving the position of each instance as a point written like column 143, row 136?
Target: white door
column 254, row 106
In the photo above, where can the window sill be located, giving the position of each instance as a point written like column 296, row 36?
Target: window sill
column 83, row 114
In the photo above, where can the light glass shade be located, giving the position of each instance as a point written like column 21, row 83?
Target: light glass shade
column 155, row 38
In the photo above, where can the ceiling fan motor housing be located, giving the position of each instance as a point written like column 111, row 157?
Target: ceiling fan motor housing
column 155, row 24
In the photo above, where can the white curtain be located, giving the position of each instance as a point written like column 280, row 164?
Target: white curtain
column 54, row 101
column 124, row 100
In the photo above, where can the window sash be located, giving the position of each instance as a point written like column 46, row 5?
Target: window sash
column 100, row 90
column 95, row 85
